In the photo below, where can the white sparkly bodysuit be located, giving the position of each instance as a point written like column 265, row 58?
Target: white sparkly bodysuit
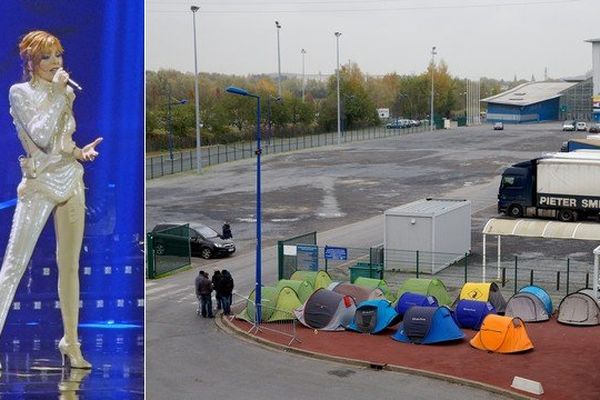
column 52, row 183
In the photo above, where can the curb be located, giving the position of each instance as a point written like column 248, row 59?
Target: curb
column 228, row 327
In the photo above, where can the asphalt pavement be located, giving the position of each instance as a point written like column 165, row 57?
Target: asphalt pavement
column 341, row 193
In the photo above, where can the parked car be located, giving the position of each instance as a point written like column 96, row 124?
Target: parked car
column 499, row 126
column 581, row 126
column 595, row 128
column 205, row 242
column 568, row 126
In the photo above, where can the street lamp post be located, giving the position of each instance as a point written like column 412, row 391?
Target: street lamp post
column 169, row 119
column 242, row 92
column 339, row 122
column 197, row 98
column 278, row 27
column 433, row 53
column 303, row 52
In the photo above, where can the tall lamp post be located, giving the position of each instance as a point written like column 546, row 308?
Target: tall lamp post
column 433, row 53
column 242, row 92
column 197, row 98
column 170, row 103
column 278, row 27
column 339, row 122
column 303, row 52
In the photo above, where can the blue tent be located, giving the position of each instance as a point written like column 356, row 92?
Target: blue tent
column 426, row 325
column 373, row 316
column 470, row 313
column 408, row 300
column 540, row 294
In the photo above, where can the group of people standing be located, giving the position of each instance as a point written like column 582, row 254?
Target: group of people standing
column 222, row 284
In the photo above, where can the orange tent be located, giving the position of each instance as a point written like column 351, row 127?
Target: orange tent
column 502, row 334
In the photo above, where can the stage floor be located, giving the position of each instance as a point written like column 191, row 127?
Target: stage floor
column 31, row 363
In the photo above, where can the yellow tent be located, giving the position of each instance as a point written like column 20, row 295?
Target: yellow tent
column 501, row 334
column 482, row 291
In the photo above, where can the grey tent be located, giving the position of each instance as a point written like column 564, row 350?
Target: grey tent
column 526, row 306
column 579, row 308
column 326, row 310
column 358, row 293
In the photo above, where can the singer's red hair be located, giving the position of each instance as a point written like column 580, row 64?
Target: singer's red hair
column 33, row 46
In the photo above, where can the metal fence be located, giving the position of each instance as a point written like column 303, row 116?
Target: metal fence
column 558, row 277
column 168, row 250
column 286, row 327
column 164, row 164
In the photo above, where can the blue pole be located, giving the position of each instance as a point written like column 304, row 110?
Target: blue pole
column 258, row 217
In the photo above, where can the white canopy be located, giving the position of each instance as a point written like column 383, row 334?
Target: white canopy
column 544, row 229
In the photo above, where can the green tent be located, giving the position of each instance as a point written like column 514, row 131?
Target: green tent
column 317, row 279
column 303, row 289
column 278, row 305
column 428, row 287
column 373, row 284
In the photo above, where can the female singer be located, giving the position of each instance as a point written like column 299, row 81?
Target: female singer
column 52, row 181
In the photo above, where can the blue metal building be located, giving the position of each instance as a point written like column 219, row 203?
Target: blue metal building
column 529, row 102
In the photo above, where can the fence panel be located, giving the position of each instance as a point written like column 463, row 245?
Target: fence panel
column 161, row 165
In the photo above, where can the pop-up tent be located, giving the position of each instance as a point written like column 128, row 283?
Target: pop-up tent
column 579, row 308
column 501, row 334
column 426, row 325
column 482, row 291
column 428, row 287
column 373, row 316
column 372, row 284
column 326, row 310
column 317, row 279
column 408, row 300
column 540, row 294
column 303, row 289
column 526, row 306
column 278, row 304
column 471, row 313
column 358, row 293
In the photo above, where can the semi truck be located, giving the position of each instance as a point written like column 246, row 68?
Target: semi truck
column 565, row 186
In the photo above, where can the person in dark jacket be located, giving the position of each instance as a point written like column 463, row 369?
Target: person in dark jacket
column 226, row 291
column 203, row 292
column 216, row 280
column 226, row 234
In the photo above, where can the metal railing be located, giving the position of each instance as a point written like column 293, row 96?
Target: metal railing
column 185, row 160
column 286, row 327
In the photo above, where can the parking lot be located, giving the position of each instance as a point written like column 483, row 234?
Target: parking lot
column 319, row 189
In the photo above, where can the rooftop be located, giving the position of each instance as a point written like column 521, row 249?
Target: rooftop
column 530, row 93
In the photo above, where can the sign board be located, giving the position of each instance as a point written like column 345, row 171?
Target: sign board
column 289, row 250
column 384, row 113
column 336, row 253
column 307, row 257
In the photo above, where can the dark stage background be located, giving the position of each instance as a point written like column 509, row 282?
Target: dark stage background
column 104, row 44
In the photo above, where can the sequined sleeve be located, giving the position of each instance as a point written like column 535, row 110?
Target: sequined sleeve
column 40, row 123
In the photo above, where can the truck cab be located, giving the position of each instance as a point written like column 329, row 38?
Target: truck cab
column 517, row 187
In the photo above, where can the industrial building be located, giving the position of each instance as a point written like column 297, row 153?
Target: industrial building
column 569, row 99
column 541, row 101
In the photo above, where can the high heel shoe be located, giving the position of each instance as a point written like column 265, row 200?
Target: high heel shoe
column 73, row 353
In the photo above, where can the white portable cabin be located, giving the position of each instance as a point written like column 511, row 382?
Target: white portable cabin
column 440, row 229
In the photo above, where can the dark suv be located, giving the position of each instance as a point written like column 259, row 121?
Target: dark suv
column 204, row 241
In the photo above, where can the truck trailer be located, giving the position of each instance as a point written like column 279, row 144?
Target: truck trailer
column 581, row 144
column 565, row 186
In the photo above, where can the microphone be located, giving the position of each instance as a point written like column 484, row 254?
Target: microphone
column 74, row 84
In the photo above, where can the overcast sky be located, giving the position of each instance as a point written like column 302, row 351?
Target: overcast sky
column 492, row 38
